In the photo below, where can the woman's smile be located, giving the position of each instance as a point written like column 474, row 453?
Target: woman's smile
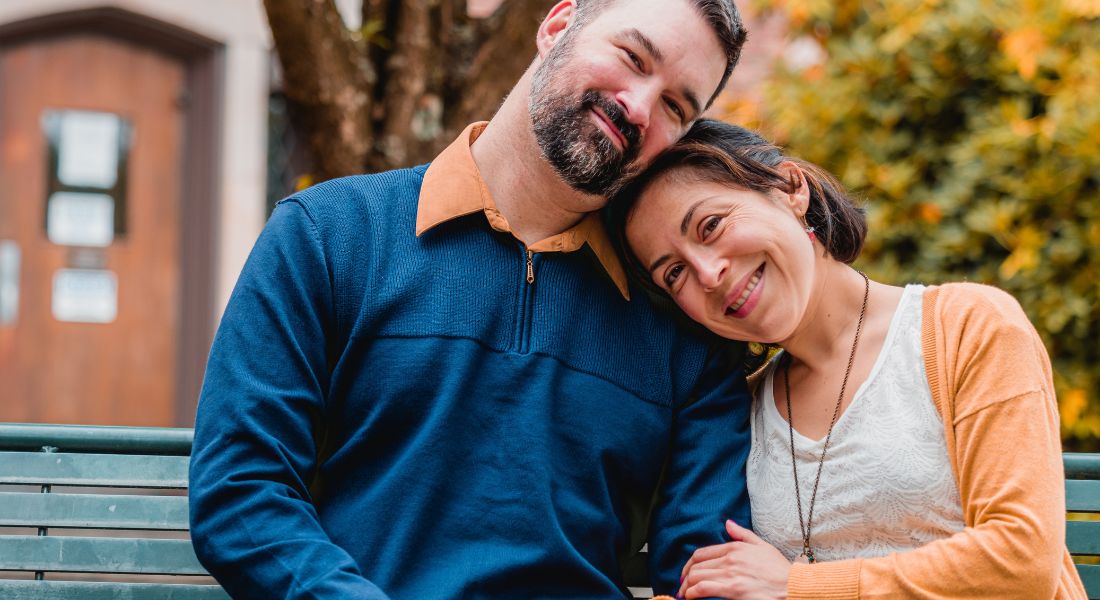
column 745, row 295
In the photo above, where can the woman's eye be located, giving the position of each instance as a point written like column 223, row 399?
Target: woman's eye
column 710, row 225
column 672, row 275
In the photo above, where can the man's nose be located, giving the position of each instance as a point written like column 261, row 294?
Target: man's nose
column 638, row 103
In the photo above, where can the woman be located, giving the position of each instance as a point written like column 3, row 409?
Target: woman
column 905, row 441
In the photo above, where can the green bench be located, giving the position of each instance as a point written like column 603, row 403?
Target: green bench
column 57, row 538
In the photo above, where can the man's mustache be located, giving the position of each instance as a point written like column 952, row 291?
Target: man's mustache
column 616, row 115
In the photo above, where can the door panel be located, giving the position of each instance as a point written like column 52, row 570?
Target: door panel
column 123, row 371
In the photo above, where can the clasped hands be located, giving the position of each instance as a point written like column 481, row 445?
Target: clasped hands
column 746, row 568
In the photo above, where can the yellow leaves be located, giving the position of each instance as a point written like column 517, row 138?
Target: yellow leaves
column 302, row 182
column 930, row 213
column 1025, row 256
column 1090, row 9
column 1023, row 46
column 1072, row 404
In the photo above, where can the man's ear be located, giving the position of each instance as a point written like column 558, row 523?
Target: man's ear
column 557, row 21
column 799, row 199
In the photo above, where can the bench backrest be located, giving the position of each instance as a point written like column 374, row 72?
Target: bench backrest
column 1083, row 526
column 138, row 480
column 136, row 521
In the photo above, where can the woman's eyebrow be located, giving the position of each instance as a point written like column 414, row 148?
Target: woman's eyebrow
column 658, row 262
column 687, row 217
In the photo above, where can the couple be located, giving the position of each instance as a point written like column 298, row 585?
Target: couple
column 439, row 382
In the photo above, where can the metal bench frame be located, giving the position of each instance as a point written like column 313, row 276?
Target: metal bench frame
column 149, row 460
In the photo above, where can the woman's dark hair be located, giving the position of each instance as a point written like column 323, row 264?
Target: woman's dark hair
column 727, row 154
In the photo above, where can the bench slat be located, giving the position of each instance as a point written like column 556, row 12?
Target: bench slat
column 96, row 438
column 93, row 511
column 1090, row 576
column 1083, row 537
column 1081, row 465
column 1082, row 495
column 98, row 555
column 87, row 590
column 108, row 470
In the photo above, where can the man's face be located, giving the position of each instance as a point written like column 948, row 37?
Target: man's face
column 611, row 95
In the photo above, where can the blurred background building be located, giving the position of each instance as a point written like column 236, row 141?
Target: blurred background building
column 144, row 142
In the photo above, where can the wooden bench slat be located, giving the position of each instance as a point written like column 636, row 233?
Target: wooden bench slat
column 93, row 511
column 1083, row 537
column 1082, row 495
column 1090, row 576
column 88, row 590
column 99, row 555
column 107, row 470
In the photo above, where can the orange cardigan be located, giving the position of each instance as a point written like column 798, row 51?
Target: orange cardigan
column 991, row 381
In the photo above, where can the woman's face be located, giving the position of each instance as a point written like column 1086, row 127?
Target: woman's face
column 738, row 262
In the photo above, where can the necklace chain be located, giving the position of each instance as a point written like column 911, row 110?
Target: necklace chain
column 806, row 525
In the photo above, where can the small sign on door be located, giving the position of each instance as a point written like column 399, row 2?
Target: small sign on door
column 85, row 295
column 80, row 219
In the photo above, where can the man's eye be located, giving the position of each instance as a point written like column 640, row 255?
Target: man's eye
column 672, row 275
column 634, row 59
column 675, row 108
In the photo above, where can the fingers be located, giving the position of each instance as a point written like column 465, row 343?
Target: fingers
column 706, row 553
column 741, row 534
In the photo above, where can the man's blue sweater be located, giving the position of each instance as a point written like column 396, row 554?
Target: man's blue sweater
column 392, row 416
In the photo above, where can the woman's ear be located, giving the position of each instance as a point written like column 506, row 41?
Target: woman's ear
column 799, row 199
column 557, row 21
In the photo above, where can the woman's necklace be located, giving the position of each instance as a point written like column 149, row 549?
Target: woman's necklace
column 807, row 551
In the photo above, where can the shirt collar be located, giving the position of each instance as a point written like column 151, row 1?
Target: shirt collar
column 453, row 187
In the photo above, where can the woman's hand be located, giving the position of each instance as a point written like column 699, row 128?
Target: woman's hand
column 748, row 568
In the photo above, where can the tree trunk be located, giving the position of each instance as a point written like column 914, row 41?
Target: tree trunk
column 398, row 90
column 326, row 76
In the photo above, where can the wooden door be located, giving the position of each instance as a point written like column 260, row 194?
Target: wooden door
column 64, row 357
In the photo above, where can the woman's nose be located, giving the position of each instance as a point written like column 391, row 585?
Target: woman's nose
column 710, row 273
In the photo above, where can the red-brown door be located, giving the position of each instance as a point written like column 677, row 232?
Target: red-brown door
column 89, row 327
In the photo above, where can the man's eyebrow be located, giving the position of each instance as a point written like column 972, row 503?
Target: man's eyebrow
column 647, row 44
column 687, row 217
column 693, row 100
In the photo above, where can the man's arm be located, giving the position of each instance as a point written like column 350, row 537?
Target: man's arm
column 253, row 524
column 704, row 482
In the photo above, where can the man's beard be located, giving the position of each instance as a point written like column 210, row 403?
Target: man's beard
column 580, row 152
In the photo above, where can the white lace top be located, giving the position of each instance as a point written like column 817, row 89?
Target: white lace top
column 886, row 485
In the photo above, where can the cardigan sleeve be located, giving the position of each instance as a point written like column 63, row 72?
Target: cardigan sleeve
column 991, row 378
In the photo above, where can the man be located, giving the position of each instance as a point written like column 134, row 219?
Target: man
column 429, row 383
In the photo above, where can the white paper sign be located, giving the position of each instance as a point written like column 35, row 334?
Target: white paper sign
column 79, row 219
column 9, row 281
column 88, row 149
column 85, row 295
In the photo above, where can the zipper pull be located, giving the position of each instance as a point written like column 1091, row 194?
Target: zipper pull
column 530, row 269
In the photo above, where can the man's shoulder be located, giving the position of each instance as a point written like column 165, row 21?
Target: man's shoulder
column 358, row 194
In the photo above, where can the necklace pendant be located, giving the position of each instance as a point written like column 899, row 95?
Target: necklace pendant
column 802, row 559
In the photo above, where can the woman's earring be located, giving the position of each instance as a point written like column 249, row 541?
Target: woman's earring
column 810, row 233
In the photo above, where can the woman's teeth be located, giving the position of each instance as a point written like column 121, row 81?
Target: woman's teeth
column 736, row 306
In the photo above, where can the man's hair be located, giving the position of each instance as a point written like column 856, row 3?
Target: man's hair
column 722, row 16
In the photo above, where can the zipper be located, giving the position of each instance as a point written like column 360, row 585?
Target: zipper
column 526, row 304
